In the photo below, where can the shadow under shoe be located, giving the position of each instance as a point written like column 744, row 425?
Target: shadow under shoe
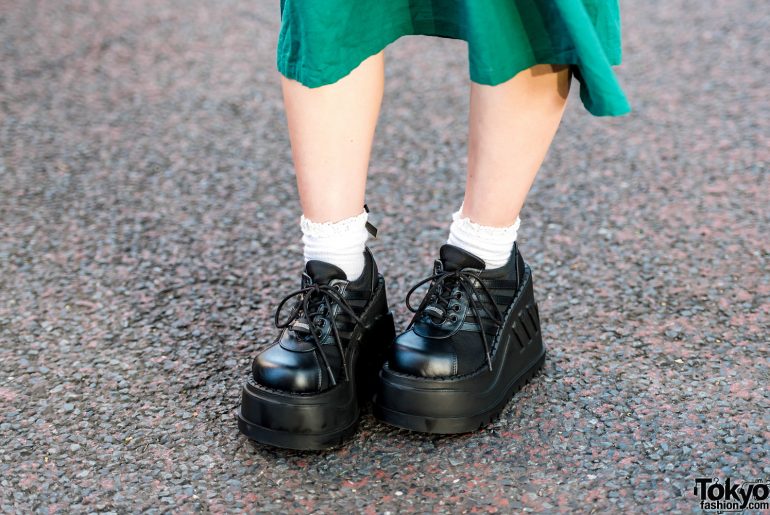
column 473, row 341
column 306, row 389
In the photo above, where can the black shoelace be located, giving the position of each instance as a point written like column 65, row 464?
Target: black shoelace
column 435, row 303
column 314, row 306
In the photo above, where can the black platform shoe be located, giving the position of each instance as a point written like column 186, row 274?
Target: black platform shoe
column 306, row 390
column 444, row 373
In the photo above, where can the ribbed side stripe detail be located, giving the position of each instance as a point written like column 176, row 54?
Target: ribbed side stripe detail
column 527, row 325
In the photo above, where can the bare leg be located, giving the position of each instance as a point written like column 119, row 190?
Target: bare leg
column 511, row 126
column 331, row 129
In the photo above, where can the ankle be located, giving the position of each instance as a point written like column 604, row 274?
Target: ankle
column 490, row 243
column 340, row 243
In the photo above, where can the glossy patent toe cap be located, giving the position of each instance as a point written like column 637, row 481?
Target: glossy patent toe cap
column 285, row 370
column 417, row 356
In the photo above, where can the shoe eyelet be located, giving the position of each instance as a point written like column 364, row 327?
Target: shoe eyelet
column 456, row 307
column 337, row 287
column 453, row 318
column 458, row 295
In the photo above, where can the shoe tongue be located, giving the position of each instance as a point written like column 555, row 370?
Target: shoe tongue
column 322, row 272
column 454, row 258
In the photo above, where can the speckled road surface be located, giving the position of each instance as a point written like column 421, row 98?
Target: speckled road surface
column 148, row 212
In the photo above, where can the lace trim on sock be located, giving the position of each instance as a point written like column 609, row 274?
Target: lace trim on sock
column 486, row 231
column 326, row 229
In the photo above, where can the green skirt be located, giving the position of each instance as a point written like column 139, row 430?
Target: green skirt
column 321, row 41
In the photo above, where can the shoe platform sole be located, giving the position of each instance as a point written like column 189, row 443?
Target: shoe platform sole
column 318, row 421
column 453, row 425
column 292, row 440
column 465, row 404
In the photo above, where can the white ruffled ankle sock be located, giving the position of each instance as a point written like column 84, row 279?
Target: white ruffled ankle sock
column 339, row 243
column 492, row 244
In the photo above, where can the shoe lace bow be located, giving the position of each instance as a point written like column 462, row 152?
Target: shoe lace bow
column 310, row 312
column 435, row 303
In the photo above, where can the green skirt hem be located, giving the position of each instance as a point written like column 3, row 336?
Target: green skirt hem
column 600, row 93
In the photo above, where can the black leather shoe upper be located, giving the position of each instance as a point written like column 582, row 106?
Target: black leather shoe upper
column 307, row 356
column 444, row 337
